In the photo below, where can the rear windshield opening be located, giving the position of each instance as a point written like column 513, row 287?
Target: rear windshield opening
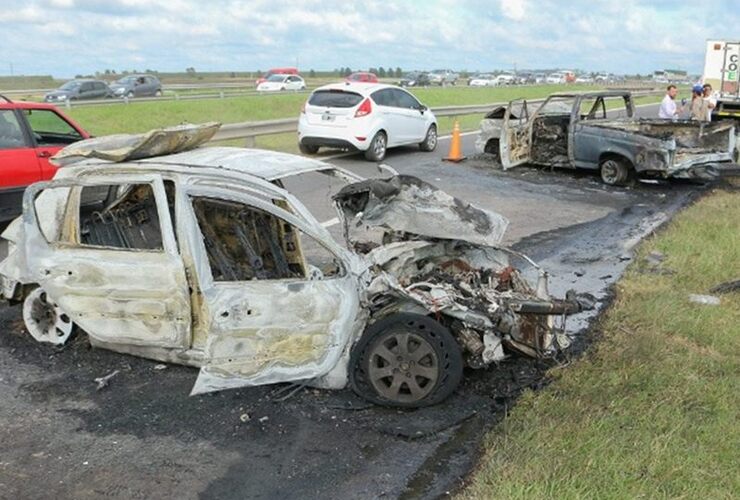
column 334, row 99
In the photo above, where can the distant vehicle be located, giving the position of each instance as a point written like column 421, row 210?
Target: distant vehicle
column 555, row 78
column 584, row 79
column 30, row 133
column 365, row 117
column 722, row 73
column 601, row 78
column 80, row 90
column 483, row 80
column 276, row 71
column 443, row 77
column 415, row 79
column 362, row 77
column 137, row 86
column 505, row 79
column 282, row 82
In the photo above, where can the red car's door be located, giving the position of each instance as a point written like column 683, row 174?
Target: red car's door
column 19, row 166
column 50, row 132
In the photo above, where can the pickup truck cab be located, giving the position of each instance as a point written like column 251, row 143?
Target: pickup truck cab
column 30, row 134
column 599, row 131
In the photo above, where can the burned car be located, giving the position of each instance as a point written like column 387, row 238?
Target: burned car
column 204, row 258
column 573, row 130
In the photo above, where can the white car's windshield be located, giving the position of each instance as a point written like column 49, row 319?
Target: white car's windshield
column 276, row 78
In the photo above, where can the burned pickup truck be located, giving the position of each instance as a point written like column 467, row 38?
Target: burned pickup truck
column 599, row 130
column 204, row 258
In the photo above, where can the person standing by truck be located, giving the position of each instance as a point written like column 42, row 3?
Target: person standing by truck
column 710, row 100
column 698, row 109
column 668, row 109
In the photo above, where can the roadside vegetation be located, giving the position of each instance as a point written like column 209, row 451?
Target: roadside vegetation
column 652, row 410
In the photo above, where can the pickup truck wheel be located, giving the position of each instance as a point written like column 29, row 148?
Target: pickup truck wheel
column 493, row 148
column 430, row 140
column 308, row 150
column 406, row 360
column 378, row 147
column 614, row 172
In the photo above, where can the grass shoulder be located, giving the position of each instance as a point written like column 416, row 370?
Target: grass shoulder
column 652, row 409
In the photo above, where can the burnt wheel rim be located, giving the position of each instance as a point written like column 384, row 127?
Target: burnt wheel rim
column 610, row 171
column 403, row 367
column 44, row 319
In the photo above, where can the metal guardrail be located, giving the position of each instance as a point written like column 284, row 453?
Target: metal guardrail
column 251, row 130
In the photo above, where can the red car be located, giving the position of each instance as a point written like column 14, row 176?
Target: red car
column 30, row 134
column 362, row 77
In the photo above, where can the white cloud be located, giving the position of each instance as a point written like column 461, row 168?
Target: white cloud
column 513, row 9
column 624, row 37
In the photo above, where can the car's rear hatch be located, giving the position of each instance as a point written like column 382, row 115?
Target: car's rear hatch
column 332, row 107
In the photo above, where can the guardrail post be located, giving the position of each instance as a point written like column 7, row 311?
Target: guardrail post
column 67, row 103
column 125, row 99
column 250, row 142
column 221, row 94
column 177, row 96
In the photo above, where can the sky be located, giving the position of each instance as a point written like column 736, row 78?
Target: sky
column 68, row 37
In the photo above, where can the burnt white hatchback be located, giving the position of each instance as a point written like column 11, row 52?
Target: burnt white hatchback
column 201, row 256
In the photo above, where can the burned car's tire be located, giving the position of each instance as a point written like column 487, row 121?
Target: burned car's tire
column 406, row 360
column 430, row 140
column 615, row 171
column 307, row 149
column 378, row 147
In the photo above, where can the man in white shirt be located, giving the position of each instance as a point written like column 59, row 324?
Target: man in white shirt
column 710, row 100
column 668, row 109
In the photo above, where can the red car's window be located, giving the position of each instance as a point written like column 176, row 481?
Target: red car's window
column 49, row 128
column 11, row 134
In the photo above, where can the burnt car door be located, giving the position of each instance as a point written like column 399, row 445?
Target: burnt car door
column 281, row 296
column 515, row 141
column 103, row 250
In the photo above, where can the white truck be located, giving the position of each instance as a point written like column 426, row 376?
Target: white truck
column 721, row 72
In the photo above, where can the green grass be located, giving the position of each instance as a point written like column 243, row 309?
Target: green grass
column 143, row 116
column 652, row 411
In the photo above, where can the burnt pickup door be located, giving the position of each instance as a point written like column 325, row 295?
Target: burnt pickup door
column 280, row 296
column 515, row 141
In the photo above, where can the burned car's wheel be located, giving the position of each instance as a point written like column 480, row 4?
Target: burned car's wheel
column 378, row 146
column 615, row 172
column 44, row 319
column 406, row 360
column 430, row 140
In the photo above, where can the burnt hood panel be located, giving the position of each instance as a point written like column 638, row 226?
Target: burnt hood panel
column 407, row 204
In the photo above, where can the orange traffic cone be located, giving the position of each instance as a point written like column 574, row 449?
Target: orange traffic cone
column 455, row 153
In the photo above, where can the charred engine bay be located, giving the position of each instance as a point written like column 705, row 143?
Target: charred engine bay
column 143, row 437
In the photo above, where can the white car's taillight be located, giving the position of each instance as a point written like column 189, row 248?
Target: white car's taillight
column 365, row 108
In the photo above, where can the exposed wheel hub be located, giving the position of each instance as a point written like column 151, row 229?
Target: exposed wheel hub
column 44, row 320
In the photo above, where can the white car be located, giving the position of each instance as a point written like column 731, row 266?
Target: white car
column 555, row 78
column 483, row 81
column 282, row 82
column 365, row 117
